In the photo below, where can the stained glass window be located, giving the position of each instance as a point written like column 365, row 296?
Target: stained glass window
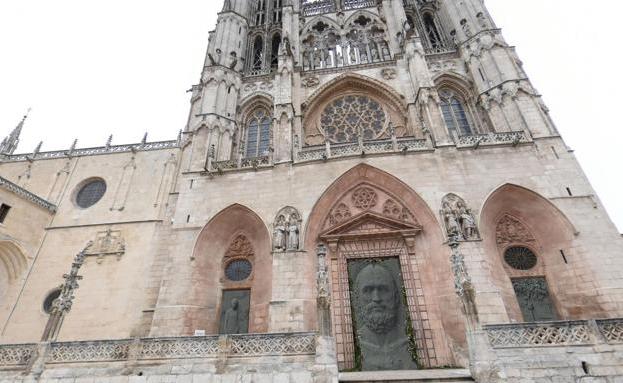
column 238, row 270
column 454, row 113
column 520, row 258
column 348, row 117
column 91, row 193
column 258, row 134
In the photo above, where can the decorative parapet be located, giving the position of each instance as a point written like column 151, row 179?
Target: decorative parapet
column 611, row 329
column 492, row 139
column 13, row 188
column 330, row 151
column 273, row 344
column 15, row 355
column 239, row 164
column 252, row 345
column 563, row 333
column 97, row 351
column 314, row 8
column 141, row 147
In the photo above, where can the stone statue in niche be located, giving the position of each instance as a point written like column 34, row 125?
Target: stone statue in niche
column 380, row 315
column 287, row 230
column 293, row 233
column 458, row 219
column 235, row 312
column 279, row 234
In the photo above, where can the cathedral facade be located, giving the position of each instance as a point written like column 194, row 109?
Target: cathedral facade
column 365, row 190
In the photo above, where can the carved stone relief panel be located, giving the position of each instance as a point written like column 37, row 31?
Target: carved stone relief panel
column 458, row 219
column 106, row 243
column 511, row 230
column 235, row 312
column 381, row 318
column 534, row 299
column 287, row 230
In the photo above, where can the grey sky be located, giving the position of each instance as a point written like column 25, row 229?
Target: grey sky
column 94, row 68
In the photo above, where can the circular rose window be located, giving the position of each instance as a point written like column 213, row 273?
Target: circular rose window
column 344, row 119
column 90, row 193
column 520, row 258
column 238, row 270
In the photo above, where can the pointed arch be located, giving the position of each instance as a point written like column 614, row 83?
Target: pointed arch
column 456, row 82
column 515, row 216
column 12, row 259
column 377, row 197
column 311, row 23
column 211, row 253
column 366, row 13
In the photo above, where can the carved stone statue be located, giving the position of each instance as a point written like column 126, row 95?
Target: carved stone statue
column 452, row 223
column 468, row 223
column 232, row 320
column 279, row 234
column 380, row 331
column 293, row 233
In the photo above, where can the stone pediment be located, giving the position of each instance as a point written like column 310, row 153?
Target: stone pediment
column 370, row 223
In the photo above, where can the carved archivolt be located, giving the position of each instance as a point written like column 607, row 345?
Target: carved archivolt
column 511, row 230
column 368, row 198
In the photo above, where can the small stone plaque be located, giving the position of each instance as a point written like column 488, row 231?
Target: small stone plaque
column 380, row 315
column 235, row 312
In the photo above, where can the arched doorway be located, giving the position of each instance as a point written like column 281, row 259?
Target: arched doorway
column 378, row 229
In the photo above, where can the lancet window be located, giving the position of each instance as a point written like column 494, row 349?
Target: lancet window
column 362, row 41
column 274, row 50
column 455, row 113
column 258, row 53
column 258, row 134
column 265, row 37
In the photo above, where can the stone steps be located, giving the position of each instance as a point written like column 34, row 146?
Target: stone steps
column 436, row 376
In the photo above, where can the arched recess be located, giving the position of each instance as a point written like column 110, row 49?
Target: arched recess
column 516, row 216
column 217, row 244
column 367, row 200
column 317, row 127
column 13, row 264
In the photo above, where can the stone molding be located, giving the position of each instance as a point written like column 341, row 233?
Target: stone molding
column 10, row 186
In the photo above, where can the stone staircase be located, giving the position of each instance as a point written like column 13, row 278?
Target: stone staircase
column 437, row 376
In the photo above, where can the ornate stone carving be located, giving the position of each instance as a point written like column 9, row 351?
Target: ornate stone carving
column 388, row 74
column 510, row 230
column 364, row 198
column 463, row 284
column 310, row 81
column 458, row 219
column 287, row 230
column 107, row 243
column 339, row 214
column 240, row 247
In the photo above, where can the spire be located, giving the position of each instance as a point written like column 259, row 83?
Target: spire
column 9, row 144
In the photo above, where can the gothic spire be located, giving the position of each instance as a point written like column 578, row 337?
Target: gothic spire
column 9, row 144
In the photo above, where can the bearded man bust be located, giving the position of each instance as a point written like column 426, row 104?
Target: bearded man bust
column 381, row 333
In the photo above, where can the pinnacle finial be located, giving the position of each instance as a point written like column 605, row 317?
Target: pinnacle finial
column 144, row 140
column 109, row 142
column 9, row 144
column 37, row 149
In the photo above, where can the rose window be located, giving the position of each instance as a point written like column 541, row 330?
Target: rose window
column 364, row 198
column 346, row 118
column 520, row 258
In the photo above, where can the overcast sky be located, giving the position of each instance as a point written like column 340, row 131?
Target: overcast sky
column 94, row 68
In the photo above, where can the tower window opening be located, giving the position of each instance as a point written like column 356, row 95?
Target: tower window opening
column 434, row 38
column 274, row 53
column 454, row 113
column 258, row 53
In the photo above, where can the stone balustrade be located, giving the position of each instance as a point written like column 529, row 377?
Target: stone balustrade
column 251, row 345
column 489, row 139
column 330, row 151
column 560, row 333
column 253, row 163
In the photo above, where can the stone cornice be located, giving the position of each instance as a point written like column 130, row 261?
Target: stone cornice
column 13, row 188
